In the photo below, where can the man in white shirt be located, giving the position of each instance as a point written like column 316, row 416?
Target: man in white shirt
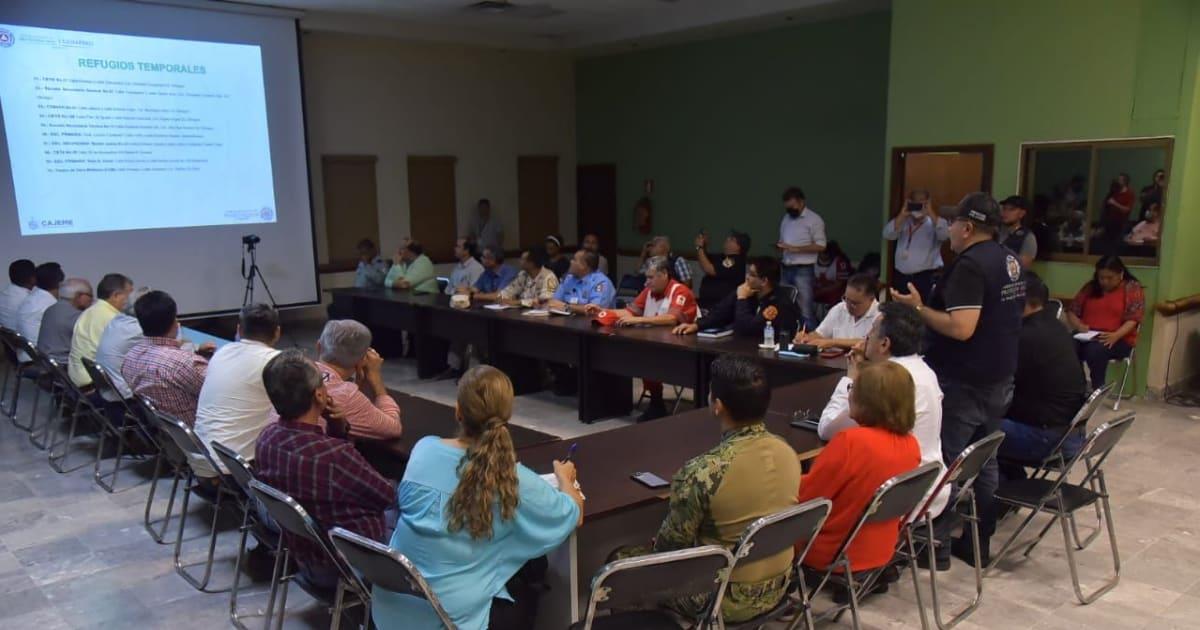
column 466, row 273
column 233, row 407
column 49, row 277
column 801, row 239
column 849, row 321
column 22, row 276
column 896, row 336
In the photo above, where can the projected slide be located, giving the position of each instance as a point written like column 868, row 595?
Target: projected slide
column 112, row 132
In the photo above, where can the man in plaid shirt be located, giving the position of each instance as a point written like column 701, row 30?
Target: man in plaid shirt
column 158, row 367
column 325, row 474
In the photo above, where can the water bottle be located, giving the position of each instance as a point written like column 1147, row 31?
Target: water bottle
column 769, row 335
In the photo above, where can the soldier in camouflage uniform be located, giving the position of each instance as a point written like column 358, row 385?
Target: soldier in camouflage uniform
column 751, row 473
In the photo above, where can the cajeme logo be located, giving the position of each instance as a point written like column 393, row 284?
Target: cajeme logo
column 6, row 38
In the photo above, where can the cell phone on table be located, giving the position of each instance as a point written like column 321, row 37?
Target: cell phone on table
column 650, row 480
column 808, row 423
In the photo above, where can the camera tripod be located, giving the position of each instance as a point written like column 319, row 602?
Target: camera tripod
column 252, row 273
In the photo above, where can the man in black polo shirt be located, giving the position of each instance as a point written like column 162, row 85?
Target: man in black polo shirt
column 748, row 309
column 1049, row 387
column 973, row 320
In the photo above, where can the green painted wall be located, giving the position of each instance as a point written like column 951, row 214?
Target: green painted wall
column 1007, row 71
column 723, row 126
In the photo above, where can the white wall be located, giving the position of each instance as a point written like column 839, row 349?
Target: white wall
column 389, row 98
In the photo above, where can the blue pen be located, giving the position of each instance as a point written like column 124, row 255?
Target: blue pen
column 571, row 451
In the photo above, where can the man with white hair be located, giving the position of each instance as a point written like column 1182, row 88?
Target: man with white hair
column 58, row 322
column 353, row 373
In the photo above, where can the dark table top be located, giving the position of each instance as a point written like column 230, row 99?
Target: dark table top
column 606, row 460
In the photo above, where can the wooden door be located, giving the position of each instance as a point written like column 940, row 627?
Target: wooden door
column 351, row 205
column 596, row 207
column 537, row 198
column 433, row 212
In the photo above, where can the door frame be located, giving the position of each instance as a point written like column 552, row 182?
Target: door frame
column 896, row 185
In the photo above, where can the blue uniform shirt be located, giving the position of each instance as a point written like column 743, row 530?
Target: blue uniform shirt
column 594, row 288
column 492, row 281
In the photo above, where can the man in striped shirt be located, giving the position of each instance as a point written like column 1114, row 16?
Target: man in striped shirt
column 325, row 474
column 158, row 367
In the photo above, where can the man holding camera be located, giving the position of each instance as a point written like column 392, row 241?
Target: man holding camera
column 919, row 234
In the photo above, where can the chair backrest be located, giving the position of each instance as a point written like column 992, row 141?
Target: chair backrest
column 294, row 519
column 787, row 292
column 644, row 581
column 772, row 534
column 1055, row 306
column 237, row 465
column 442, row 283
column 901, row 494
column 8, row 339
column 102, row 380
column 1102, row 441
column 1090, row 407
column 184, row 438
column 965, row 468
column 386, row 568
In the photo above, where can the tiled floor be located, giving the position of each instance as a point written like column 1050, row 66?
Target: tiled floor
column 73, row 556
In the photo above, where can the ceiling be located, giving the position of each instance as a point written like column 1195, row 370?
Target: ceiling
column 586, row 26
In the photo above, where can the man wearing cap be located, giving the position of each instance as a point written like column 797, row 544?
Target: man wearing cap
column 556, row 260
column 973, row 320
column 583, row 285
column 1013, row 234
column 919, row 235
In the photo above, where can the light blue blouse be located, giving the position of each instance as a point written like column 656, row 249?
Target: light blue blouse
column 464, row 573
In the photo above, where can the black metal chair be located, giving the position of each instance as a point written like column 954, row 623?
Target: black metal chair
column 240, row 474
column 636, row 587
column 129, row 429
column 293, row 519
column 1061, row 498
column 10, row 366
column 81, row 405
column 385, row 568
column 897, row 498
column 772, row 534
column 168, row 455
column 187, row 442
column 962, row 472
column 16, row 345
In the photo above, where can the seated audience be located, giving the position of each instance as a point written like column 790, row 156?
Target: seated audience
column 467, row 270
column 1149, row 230
column 534, row 285
column 664, row 302
column 556, row 260
column 591, row 242
column 49, row 276
column 1112, row 304
column 354, row 380
column 372, row 268
column 896, row 336
column 583, row 285
column 847, row 323
column 496, row 275
column 121, row 334
column 830, row 273
column 22, row 277
column 158, row 367
column 58, row 322
column 233, row 407
column 661, row 246
column 411, row 270
column 753, row 303
column 857, row 461
column 325, row 474
column 722, row 277
column 113, row 293
column 474, row 521
column 752, row 473
column 1048, row 388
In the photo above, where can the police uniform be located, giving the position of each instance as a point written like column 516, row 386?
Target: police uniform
column 594, row 288
column 750, row 474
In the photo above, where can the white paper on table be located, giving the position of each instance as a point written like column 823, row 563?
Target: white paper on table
column 1087, row 336
column 537, row 312
column 498, row 307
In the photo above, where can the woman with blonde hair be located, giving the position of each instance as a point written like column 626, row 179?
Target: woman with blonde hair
column 471, row 517
column 857, row 461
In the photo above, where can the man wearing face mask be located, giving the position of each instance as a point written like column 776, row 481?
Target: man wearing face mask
column 973, row 319
column 801, row 240
column 919, row 235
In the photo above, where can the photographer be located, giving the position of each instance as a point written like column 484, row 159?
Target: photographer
column 919, row 235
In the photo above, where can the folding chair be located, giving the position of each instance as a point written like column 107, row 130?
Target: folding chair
column 187, row 442
column 1055, row 306
column 384, row 568
column 53, row 383
column 293, row 519
column 1130, row 366
column 898, row 497
column 770, row 535
column 10, row 365
column 963, row 471
column 636, row 587
column 14, row 344
column 239, row 472
column 789, row 292
column 83, row 406
column 130, row 425
column 168, row 454
column 1061, row 499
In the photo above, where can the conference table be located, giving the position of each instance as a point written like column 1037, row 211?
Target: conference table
column 607, row 358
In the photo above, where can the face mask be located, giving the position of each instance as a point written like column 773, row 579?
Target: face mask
column 917, row 214
column 792, row 212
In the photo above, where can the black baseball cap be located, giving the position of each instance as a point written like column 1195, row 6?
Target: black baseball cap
column 1016, row 201
column 980, row 208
